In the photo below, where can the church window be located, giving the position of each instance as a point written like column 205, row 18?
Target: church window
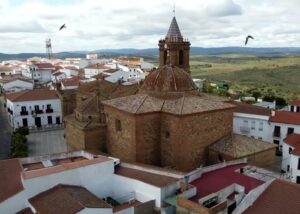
column 165, row 57
column 181, row 57
column 167, row 134
column 118, row 125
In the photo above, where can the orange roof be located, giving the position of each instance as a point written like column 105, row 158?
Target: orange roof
column 280, row 197
column 5, row 68
column 286, row 117
column 296, row 151
column 96, row 66
column 45, row 66
column 66, row 199
column 30, row 95
column 294, row 103
column 293, row 139
column 10, row 178
column 251, row 109
column 74, row 81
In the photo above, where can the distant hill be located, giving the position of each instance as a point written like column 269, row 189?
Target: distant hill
column 153, row 52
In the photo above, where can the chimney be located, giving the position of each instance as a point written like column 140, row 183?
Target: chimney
column 273, row 112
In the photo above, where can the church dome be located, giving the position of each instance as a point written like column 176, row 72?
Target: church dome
column 168, row 80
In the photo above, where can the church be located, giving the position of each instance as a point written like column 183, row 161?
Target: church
column 168, row 123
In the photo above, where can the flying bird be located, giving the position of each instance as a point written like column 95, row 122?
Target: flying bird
column 63, row 26
column 247, row 38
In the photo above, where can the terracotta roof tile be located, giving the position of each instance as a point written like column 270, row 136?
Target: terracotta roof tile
column 296, row 151
column 45, row 66
column 295, row 103
column 66, row 199
column 31, row 95
column 239, row 146
column 74, row 81
column 10, row 178
column 25, row 211
column 286, row 117
column 251, row 109
column 5, row 68
column 280, row 197
column 293, row 139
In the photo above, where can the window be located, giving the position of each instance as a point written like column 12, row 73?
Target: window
column 298, row 180
column 118, row 125
column 298, row 109
column 288, row 168
column 180, row 57
column 290, row 150
column 253, row 125
column 167, row 134
column 23, row 108
column 276, row 131
column 290, row 131
column 48, row 106
column 261, row 125
column 299, row 163
column 292, row 108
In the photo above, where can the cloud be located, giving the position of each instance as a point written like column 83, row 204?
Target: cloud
column 21, row 27
column 225, row 8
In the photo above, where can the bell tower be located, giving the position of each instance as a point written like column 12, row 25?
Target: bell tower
column 174, row 49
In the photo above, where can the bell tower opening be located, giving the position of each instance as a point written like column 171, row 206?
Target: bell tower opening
column 174, row 49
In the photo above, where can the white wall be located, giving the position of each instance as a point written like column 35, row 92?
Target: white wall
column 294, row 167
column 96, row 210
column 286, row 156
column 14, row 204
column 16, row 119
column 17, row 84
column 257, row 126
column 283, row 131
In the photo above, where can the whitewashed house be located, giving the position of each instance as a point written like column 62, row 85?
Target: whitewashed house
column 91, row 55
column 252, row 121
column 58, row 76
column 126, row 74
column 283, row 123
column 33, row 108
column 290, row 143
column 40, row 73
column 71, row 83
column 70, row 71
column 15, row 84
column 294, row 106
column 110, row 186
column 6, row 70
column 93, row 70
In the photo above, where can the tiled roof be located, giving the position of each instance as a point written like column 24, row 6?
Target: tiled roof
column 10, row 178
column 11, row 78
column 5, row 68
column 286, row 117
column 31, row 95
column 74, row 81
column 294, row 103
column 97, row 66
column 218, row 179
column 25, row 211
column 168, row 79
column 296, row 151
column 186, row 104
column 280, row 197
column 45, row 66
column 293, row 139
column 239, row 146
column 146, row 177
column 66, row 199
column 174, row 31
column 251, row 109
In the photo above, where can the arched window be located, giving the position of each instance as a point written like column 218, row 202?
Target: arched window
column 165, row 57
column 181, row 57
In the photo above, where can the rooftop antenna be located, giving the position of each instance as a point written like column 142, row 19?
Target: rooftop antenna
column 48, row 48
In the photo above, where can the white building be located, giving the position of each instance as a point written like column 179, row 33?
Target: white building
column 115, row 187
column 126, row 74
column 71, row 83
column 91, row 55
column 14, row 84
column 6, row 70
column 294, row 106
column 94, row 70
column 33, row 108
column 58, row 76
column 283, row 123
column 40, row 73
column 252, row 121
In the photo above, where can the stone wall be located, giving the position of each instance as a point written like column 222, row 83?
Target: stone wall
column 121, row 144
column 68, row 101
column 195, row 133
column 75, row 137
column 148, row 138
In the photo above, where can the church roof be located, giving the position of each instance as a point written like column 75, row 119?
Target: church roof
column 186, row 104
column 168, row 79
column 174, row 31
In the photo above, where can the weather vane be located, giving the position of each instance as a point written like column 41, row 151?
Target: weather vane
column 174, row 9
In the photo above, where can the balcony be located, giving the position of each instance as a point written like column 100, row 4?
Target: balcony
column 276, row 134
column 244, row 129
column 24, row 113
column 49, row 110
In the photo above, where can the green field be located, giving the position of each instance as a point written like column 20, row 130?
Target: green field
column 276, row 75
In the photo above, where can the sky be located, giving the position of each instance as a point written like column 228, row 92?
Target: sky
column 113, row 24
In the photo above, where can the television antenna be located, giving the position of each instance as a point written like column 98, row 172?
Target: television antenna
column 49, row 48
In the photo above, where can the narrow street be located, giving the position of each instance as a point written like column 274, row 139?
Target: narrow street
column 5, row 132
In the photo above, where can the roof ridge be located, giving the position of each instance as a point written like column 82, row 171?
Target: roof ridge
column 141, row 104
